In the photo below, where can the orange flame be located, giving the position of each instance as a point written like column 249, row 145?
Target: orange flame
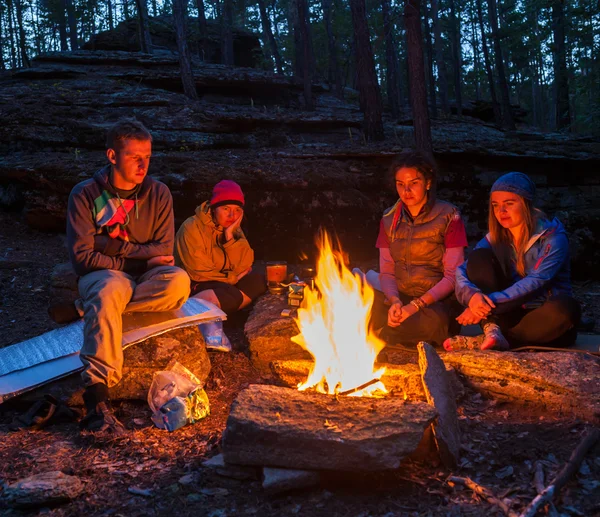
column 333, row 323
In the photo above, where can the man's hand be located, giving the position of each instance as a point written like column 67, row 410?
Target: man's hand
column 395, row 314
column 230, row 231
column 161, row 260
column 481, row 305
column 468, row 318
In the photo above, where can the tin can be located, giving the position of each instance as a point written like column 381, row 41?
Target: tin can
column 296, row 294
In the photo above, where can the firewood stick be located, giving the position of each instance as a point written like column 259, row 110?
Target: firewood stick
column 538, row 477
column 562, row 478
column 484, row 492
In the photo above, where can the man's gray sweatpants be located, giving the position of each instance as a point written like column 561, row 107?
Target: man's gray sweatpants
column 106, row 295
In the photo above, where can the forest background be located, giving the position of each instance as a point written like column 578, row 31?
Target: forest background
column 543, row 56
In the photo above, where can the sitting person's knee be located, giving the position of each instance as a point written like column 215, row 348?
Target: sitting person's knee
column 229, row 299
column 566, row 308
column 253, row 285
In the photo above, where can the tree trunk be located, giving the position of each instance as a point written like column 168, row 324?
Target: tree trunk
column 72, row 24
column 109, row 9
column 2, row 64
column 62, row 26
column 11, row 35
column 507, row 118
column 367, row 78
column 439, row 58
column 266, row 25
column 476, row 58
column 202, row 29
column 561, row 77
column 294, row 28
column 143, row 26
column 391, row 60
column 227, row 33
column 303, row 21
column 185, row 62
column 432, row 99
column 416, row 76
column 456, row 55
column 335, row 77
column 488, row 67
column 22, row 38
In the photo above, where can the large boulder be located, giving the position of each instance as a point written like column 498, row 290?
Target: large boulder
column 125, row 36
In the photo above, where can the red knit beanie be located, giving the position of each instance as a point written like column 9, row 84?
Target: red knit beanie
column 227, row 192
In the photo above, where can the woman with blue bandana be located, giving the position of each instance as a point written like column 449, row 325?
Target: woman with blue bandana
column 516, row 283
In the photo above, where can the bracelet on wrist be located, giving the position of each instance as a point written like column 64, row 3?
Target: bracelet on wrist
column 418, row 303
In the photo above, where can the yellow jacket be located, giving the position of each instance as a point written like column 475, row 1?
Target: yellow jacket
column 199, row 249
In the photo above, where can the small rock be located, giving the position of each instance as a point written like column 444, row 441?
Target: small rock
column 277, row 481
column 47, row 488
column 188, row 479
column 505, row 472
column 144, row 492
column 214, row 491
column 228, row 470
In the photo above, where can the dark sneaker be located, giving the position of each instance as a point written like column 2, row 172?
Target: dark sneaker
column 102, row 420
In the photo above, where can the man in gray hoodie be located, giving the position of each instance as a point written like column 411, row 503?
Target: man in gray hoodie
column 120, row 234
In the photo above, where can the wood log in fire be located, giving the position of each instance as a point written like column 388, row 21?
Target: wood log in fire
column 401, row 380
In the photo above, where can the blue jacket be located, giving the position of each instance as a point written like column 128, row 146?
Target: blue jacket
column 547, row 268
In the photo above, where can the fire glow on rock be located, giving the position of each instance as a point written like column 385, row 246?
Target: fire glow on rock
column 333, row 324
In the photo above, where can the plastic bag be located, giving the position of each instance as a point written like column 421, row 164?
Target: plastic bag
column 176, row 398
column 214, row 337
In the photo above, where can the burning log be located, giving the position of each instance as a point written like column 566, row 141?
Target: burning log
column 281, row 427
column 401, row 380
column 565, row 383
column 440, row 394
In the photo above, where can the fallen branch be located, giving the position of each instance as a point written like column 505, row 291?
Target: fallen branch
column 538, row 477
column 484, row 492
column 571, row 467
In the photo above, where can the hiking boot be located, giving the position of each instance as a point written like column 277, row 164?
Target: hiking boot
column 102, row 420
column 493, row 338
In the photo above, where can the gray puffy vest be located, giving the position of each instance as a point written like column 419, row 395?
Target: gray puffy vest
column 417, row 245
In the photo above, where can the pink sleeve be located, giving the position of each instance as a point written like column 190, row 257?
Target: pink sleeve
column 456, row 236
column 382, row 238
column 387, row 274
column 453, row 257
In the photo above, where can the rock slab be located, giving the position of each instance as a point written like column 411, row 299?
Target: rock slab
column 282, row 427
column 47, row 488
column 440, row 395
column 562, row 382
column 269, row 334
column 142, row 360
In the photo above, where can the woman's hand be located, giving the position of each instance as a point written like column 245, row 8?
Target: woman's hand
column 407, row 311
column 395, row 314
column 468, row 318
column 231, row 229
column 481, row 305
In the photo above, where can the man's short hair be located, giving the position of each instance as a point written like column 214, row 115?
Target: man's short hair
column 126, row 129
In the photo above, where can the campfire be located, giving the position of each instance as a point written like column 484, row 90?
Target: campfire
column 333, row 323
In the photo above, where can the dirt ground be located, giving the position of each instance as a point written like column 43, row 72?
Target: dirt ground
column 501, row 443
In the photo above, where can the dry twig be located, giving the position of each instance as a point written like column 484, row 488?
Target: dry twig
column 484, row 492
column 570, row 468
